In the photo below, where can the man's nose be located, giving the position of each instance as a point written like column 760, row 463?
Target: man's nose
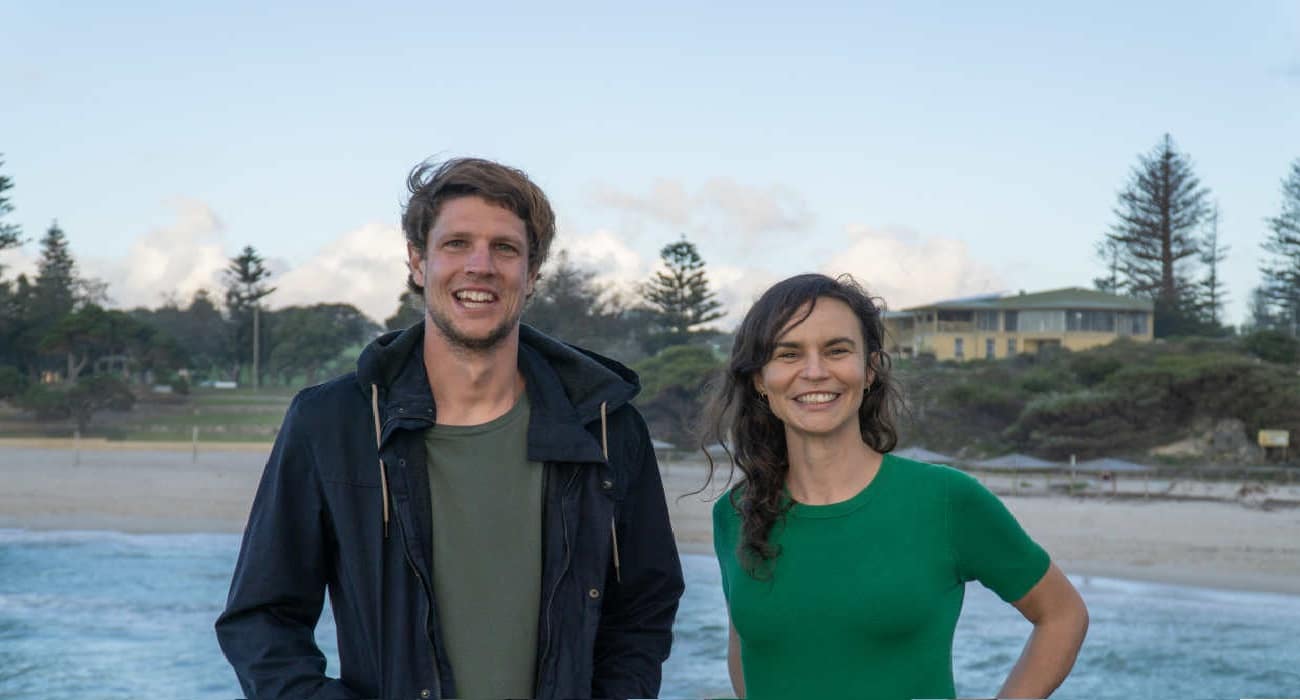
column 479, row 260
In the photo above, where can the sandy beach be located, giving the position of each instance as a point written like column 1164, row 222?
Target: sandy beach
column 165, row 488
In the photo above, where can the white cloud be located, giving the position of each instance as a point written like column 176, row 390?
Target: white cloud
column 365, row 267
column 622, row 269
column 176, row 259
column 615, row 263
column 719, row 206
column 17, row 261
column 738, row 288
column 906, row 269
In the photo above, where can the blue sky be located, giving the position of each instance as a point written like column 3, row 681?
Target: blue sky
column 930, row 150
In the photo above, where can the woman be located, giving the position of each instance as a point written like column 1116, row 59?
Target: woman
column 844, row 566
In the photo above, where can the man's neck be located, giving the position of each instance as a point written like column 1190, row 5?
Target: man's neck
column 472, row 387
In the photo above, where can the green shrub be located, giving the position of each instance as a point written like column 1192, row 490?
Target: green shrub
column 1272, row 346
column 45, row 401
column 1093, row 368
column 12, row 382
column 685, row 366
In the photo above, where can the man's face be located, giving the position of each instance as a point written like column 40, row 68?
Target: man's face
column 474, row 272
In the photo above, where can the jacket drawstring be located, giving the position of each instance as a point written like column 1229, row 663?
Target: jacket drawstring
column 383, row 470
column 613, row 528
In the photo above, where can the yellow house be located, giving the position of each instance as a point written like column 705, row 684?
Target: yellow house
column 996, row 325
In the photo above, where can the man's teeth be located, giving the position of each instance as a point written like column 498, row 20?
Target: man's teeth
column 480, row 297
column 816, row 398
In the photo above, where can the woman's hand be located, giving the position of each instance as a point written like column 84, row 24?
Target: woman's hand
column 1060, row 621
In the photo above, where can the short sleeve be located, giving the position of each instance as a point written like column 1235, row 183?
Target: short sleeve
column 989, row 546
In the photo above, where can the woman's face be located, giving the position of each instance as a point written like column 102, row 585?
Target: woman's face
column 817, row 374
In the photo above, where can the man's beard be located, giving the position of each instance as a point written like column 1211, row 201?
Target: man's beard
column 471, row 344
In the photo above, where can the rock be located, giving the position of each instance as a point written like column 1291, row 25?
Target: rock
column 1224, row 440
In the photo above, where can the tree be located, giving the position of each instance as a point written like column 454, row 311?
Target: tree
column 92, row 333
column 56, row 276
column 245, row 289
column 569, row 304
column 410, row 310
column 79, row 401
column 1211, row 292
column 1281, row 269
column 1108, row 251
column 1158, row 212
column 10, row 234
column 308, row 337
column 680, row 293
column 673, row 383
column 1262, row 316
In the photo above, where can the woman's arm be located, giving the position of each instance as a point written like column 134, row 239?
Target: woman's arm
column 734, row 668
column 1060, row 622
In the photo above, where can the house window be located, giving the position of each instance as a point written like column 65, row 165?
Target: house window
column 958, row 349
column 1010, row 318
column 1041, row 321
column 1011, row 346
column 1090, row 321
column 1134, row 323
column 986, row 320
column 988, row 349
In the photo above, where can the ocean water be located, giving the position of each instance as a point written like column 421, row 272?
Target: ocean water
column 96, row 615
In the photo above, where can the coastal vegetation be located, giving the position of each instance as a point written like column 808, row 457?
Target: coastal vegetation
column 225, row 364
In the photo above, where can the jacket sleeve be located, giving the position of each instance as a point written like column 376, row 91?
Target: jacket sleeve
column 278, row 588
column 636, row 627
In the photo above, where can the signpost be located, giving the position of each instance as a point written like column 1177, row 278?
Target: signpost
column 1275, row 440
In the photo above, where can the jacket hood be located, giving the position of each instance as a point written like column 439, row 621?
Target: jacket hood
column 395, row 363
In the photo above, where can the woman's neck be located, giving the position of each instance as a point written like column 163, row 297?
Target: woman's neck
column 830, row 468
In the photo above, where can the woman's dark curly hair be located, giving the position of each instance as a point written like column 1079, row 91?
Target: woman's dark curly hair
column 754, row 438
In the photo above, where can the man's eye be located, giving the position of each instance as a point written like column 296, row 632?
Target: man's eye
column 507, row 248
column 454, row 243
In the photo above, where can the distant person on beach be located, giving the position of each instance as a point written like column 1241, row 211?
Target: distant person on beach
column 481, row 502
column 843, row 566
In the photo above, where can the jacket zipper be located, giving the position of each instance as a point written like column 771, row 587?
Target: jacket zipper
column 428, row 590
column 550, row 600
column 433, row 653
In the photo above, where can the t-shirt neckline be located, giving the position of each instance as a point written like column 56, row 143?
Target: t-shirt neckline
column 842, row 508
column 509, row 417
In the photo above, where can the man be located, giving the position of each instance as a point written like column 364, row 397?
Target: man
column 481, row 501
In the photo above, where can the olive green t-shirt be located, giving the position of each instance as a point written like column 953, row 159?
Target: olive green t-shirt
column 487, row 552
column 864, row 597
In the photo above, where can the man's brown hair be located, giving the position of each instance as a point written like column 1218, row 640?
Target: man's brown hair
column 432, row 184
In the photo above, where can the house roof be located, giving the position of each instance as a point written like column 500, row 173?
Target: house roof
column 1065, row 298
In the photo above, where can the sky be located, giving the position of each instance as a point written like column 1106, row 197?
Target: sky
column 929, row 149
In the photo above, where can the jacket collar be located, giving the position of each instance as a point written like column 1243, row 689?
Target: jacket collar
column 566, row 387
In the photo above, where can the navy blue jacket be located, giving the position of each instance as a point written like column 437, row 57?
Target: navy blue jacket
column 318, row 524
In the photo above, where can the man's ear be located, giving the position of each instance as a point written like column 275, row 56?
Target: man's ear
column 532, row 283
column 415, row 263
